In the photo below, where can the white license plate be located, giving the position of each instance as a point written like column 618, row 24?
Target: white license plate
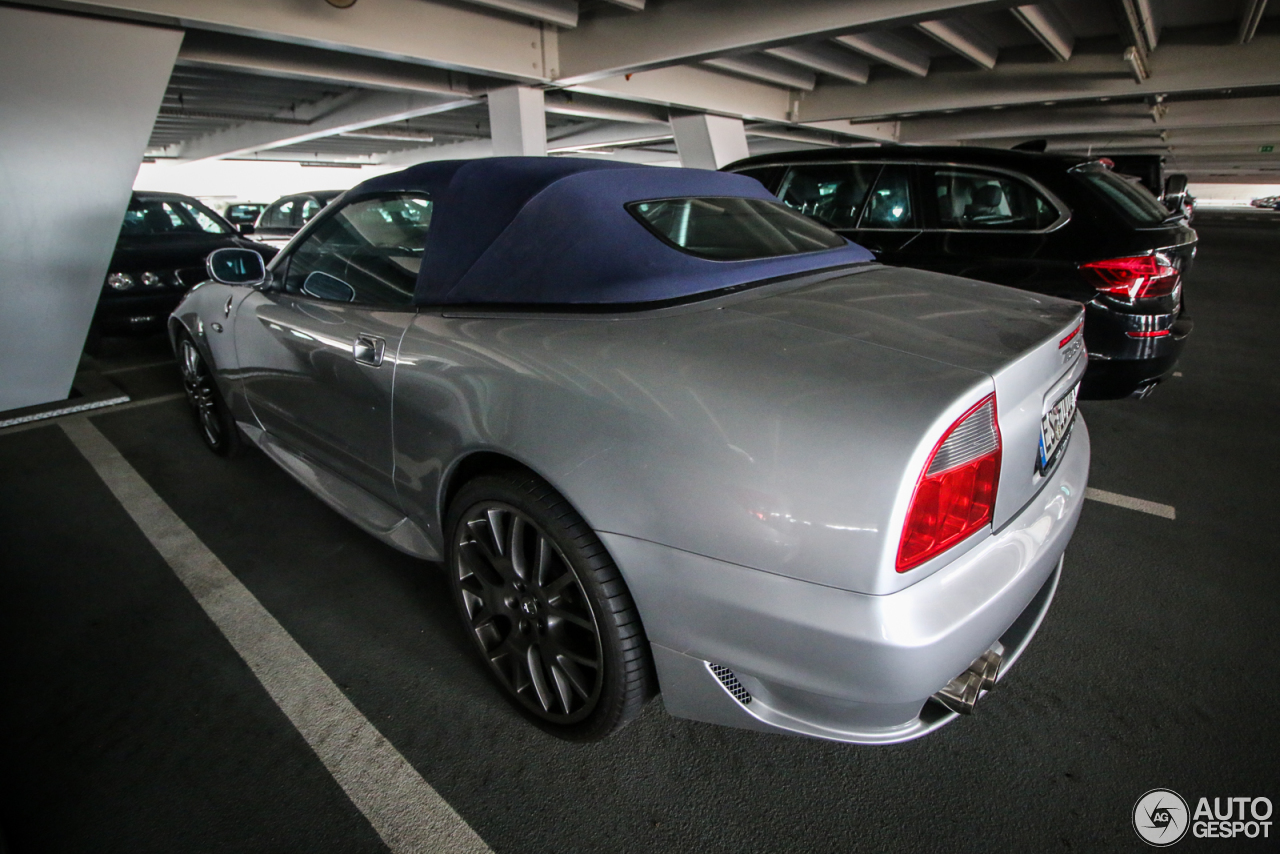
column 1055, row 425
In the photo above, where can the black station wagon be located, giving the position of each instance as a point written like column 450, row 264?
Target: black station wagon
column 1067, row 226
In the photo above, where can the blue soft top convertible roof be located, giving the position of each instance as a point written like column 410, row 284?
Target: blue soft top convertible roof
column 538, row 230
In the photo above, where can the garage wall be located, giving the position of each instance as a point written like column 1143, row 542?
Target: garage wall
column 78, row 97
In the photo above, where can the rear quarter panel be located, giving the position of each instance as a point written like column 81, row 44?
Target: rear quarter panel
column 740, row 437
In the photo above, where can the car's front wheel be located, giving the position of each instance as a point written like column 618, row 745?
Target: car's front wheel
column 546, row 607
column 213, row 418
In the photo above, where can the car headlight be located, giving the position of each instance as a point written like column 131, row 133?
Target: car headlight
column 120, row 281
column 151, row 280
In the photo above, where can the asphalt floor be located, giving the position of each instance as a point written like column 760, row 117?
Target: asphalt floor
column 130, row 724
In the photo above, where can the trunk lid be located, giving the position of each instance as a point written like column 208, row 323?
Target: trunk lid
column 1023, row 341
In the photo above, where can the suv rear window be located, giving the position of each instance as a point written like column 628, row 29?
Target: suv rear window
column 1130, row 198
column 733, row 229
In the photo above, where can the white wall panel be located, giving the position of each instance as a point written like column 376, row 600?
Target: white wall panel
column 78, row 97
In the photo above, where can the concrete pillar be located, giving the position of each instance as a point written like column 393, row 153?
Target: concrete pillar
column 518, row 122
column 78, row 97
column 708, row 142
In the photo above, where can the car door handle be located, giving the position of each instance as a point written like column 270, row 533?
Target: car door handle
column 368, row 350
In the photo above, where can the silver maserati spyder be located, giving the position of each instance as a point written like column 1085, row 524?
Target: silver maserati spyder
column 664, row 434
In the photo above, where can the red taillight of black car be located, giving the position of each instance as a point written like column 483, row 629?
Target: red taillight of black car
column 1138, row 277
column 956, row 494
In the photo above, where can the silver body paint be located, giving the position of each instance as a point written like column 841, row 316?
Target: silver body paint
column 748, row 460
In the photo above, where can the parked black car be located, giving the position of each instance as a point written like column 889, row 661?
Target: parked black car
column 159, row 256
column 244, row 213
column 1054, row 224
column 277, row 225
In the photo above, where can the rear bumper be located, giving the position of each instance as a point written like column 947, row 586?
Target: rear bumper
column 1121, row 364
column 791, row 656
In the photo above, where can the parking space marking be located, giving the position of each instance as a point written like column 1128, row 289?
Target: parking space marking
column 403, row 808
column 1164, row 511
column 142, row 367
column 105, row 410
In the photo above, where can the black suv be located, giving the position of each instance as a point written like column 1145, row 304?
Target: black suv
column 1053, row 224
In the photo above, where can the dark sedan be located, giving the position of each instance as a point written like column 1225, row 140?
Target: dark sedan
column 159, row 255
column 1060, row 225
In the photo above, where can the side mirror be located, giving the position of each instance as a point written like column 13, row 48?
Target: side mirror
column 326, row 287
column 234, row 266
column 246, row 228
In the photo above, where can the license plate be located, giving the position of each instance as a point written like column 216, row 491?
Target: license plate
column 1054, row 427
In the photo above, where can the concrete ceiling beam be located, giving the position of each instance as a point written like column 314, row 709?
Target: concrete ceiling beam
column 826, row 58
column 206, row 49
column 873, row 131
column 456, row 36
column 1092, row 119
column 611, row 136
column 566, row 103
column 963, row 39
column 1138, row 23
column 562, row 13
column 1047, row 24
column 683, row 31
column 766, row 69
column 329, row 117
column 1250, row 17
column 1175, row 68
column 889, row 49
column 698, row 89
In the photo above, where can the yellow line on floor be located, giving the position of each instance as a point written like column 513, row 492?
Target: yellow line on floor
column 404, row 809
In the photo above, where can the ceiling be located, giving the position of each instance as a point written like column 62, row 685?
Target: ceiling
column 400, row 81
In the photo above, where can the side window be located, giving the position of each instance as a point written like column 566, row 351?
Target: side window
column 206, row 222
column 368, row 252
column 889, row 204
column 970, row 199
column 310, row 207
column 833, row 193
column 278, row 215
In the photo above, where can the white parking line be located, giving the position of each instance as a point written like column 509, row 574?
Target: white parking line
column 106, row 410
column 1164, row 511
column 406, row 812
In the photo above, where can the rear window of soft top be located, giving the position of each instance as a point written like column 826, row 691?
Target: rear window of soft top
column 727, row 228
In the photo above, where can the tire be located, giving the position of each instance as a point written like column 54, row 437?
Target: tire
column 547, row 608
column 213, row 419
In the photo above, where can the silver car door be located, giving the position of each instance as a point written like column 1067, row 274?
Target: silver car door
column 317, row 347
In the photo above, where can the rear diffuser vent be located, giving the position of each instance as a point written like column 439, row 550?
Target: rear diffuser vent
column 730, row 682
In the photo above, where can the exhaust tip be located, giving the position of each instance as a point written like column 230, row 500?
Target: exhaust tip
column 962, row 693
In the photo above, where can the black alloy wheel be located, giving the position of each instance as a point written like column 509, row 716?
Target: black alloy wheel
column 547, row 607
column 214, row 420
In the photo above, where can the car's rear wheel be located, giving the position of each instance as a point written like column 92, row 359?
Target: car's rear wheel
column 213, row 418
column 546, row 607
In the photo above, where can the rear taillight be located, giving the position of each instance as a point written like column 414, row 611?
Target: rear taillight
column 957, row 491
column 1139, row 277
